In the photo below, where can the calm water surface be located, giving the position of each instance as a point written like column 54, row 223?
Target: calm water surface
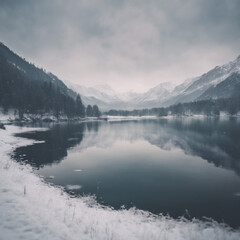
column 181, row 167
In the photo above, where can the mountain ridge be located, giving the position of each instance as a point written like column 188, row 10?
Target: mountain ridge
column 163, row 94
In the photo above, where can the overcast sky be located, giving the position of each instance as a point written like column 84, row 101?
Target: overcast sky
column 132, row 44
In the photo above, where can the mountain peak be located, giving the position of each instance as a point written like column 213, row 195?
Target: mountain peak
column 169, row 86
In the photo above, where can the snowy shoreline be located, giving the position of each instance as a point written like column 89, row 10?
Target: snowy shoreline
column 32, row 209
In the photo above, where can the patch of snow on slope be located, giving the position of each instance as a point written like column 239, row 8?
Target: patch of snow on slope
column 101, row 92
column 31, row 209
column 22, row 70
column 218, row 74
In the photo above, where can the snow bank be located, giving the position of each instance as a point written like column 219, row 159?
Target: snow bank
column 128, row 118
column 32, row 209
column 5, row 118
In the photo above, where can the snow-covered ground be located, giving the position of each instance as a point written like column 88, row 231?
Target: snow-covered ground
column 12, row 115
column 31, row 209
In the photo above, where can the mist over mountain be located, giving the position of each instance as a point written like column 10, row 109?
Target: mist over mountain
column 106, row 98
column 209, row 85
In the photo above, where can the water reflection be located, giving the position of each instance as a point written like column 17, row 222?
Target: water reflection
column 156, row 165
column 54, row 146
column 212, row 139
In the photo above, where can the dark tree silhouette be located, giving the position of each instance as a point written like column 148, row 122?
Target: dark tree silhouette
column 89, row 111
column 96, row 112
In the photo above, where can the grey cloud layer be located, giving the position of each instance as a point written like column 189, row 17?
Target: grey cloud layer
column 128, row 44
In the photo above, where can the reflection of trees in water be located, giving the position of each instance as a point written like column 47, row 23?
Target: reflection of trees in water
column 92, row 126
column 57, row 140
column 212, row 139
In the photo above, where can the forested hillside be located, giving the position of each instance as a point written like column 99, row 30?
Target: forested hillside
column 29, row 89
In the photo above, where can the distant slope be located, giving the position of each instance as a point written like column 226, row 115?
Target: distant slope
column 229, row 87
column 202, row 87
column 106, row 98
column 102, row 95
column 154, row 96
column 203, row 83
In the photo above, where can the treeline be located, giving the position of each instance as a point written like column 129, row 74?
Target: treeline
column 206, row 107
column 19, row 91
column 93, row 111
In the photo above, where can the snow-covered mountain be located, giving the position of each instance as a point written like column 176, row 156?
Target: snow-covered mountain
column 106, row 98
column 154, row 96
column 101, row 92
column 201, row 84
column 225, row 89
column 208, row 85
column 102, row 95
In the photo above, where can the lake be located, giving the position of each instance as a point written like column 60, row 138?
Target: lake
column 180, row 167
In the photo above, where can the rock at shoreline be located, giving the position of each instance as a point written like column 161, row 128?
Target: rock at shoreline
column 2, row 126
